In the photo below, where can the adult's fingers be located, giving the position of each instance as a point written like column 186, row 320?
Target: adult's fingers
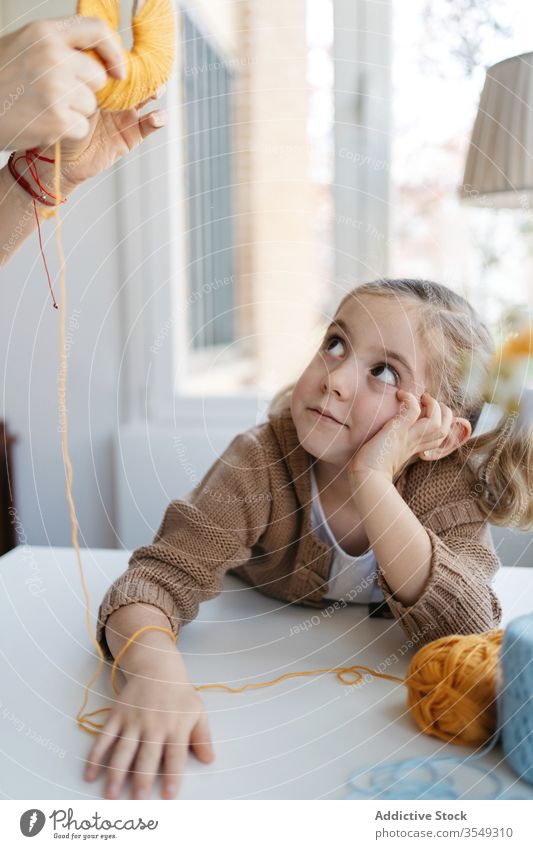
column 159, row 93
column 85, row 33
column 82, row 100
column 78, row 126
column 99, row 748
column 121, row 760
column 148, row 124
column 145, row 767
column 88, row 70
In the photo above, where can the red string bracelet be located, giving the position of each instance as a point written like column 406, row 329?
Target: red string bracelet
column 30, row 156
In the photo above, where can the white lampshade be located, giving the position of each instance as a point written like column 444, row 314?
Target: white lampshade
column 499, row 164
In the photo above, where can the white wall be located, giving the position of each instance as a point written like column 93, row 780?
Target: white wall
column 29, row 351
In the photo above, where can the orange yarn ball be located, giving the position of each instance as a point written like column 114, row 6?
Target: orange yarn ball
column 452, row 687
column 149, row 63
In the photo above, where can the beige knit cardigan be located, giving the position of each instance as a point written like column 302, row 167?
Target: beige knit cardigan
column 250, row 515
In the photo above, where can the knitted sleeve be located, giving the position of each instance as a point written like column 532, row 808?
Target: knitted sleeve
column 458, row 597
column 199, row 539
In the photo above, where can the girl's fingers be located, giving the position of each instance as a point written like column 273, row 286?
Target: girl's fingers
column 410, row 407
column 174, row 760
column 104, row 740
column 146, row 766
column 121, row 760
column 432, row 407
column 201, row 740
column 430, row 435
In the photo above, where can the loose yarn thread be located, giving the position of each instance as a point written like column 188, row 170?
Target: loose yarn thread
column 149, row 65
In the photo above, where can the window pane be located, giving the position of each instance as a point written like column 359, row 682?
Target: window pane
column 258, row 94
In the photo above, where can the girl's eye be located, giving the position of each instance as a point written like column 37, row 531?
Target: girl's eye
column 334, row 345
column 389, row 368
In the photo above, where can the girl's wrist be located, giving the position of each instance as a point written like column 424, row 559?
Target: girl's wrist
column 150, row 650
column 359, row 476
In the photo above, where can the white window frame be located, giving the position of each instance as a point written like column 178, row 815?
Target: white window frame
column 363, row 121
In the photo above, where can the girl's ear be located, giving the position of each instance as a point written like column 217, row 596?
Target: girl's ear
column 460, row 431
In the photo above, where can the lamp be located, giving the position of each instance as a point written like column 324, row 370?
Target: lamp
column 499, row 173
column 499, row 164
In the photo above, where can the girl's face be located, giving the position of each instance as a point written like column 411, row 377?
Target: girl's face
column 370, row 350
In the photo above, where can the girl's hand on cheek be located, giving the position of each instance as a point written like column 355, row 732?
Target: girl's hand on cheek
column 416, row 428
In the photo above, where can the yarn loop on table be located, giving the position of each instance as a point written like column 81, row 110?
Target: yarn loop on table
column 149, row 63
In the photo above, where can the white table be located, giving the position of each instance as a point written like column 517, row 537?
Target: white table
column 300, row 739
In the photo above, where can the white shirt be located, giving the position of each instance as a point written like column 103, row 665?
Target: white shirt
column 352, row 579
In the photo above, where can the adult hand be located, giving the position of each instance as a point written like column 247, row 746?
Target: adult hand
column 111, row 135
column 48, row 85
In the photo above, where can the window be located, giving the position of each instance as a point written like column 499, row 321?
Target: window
column 256, row 126
column 208, row 176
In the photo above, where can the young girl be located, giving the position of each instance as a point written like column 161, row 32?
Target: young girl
column 364, row 485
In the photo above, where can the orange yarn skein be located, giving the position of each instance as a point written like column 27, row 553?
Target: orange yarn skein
column 149, row 63
column 451, row 686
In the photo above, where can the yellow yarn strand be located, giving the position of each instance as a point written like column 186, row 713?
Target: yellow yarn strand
column 450, row 682
column 63, row 418
column 149, row 63
column 94, row 727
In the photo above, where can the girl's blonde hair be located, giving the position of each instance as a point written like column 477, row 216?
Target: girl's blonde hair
column 453, row 333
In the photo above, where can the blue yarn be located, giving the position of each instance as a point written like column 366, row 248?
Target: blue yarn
column 517, row 706
column 514, row 723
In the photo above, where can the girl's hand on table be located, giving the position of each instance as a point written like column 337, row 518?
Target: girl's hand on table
column 158, row 714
